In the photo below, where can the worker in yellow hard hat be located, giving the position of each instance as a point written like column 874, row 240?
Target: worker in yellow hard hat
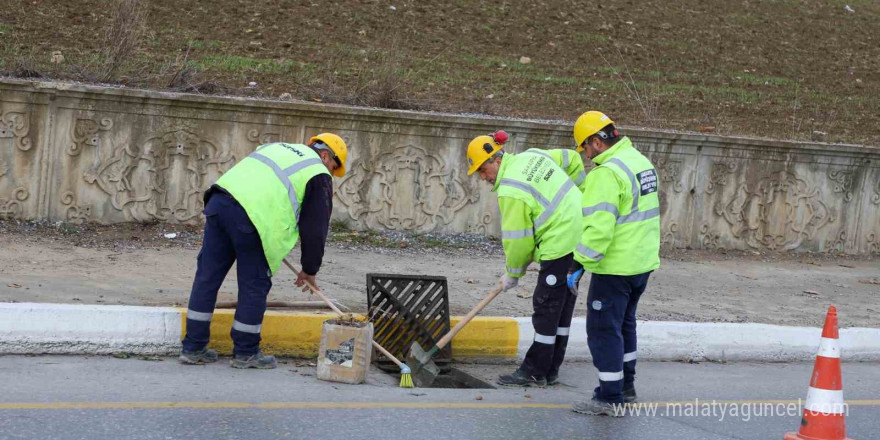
column 620, row 246
column 541, row 222
column 254, row 215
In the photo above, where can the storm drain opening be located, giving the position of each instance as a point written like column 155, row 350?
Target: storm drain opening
column 456, row 378
column 406, row 309
column 414, row 308
column 452, row 377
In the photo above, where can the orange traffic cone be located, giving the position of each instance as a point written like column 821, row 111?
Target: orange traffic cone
column 824, row 410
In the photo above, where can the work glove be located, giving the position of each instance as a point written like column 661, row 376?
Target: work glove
column 508, row 282
column 573, row 280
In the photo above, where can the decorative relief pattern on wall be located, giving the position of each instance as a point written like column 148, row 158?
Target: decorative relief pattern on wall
column 11, row 207
column 873, row 240
column 72, row 212
column 843, row 182
column 260, row 138
column 405, row 189
column 875, row 199
column 482, row 226
column 836, row 243
column 163, row 178
column 668, row 234
column 669, row 172
column 779, row 212
column 86, row 132
column 15, row 126
column 709, row 239
column 721, row 170
column 4, row 168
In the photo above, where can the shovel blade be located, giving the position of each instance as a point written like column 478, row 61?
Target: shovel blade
column 424, row 370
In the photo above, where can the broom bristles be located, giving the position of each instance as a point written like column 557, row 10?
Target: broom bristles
column 406, row 380
column 405, row 377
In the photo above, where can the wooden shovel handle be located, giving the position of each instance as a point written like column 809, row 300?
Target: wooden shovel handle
column 477, row 309
column 333, row 307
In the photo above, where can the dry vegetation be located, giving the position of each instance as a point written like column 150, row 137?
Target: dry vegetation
column 777, row 68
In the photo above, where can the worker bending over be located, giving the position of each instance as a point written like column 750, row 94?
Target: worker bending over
column 254, row 214
column 540, row 221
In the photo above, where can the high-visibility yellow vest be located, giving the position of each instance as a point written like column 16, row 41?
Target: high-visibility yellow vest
column 621, row 214
column 540, row 210
column 570, row 162
column 270, row 185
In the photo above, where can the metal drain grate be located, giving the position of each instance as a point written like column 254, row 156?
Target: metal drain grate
column 408, row 308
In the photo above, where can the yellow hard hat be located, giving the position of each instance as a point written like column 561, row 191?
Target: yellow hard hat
column 337, row 145
column 482, row 148
column 589, row 124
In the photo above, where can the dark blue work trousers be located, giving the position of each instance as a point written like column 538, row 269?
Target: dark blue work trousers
column 611, row 331
column 229, row 236
column 553, row 307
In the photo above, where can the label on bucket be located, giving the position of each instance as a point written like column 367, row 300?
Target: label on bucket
column 343, row 356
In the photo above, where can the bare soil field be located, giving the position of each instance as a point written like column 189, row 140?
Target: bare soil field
column 135, row 264
column 793, row 69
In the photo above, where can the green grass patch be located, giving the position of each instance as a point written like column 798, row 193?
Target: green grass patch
column 211, row 45
column 237, row 64
column 558, row 80
column 757, row 80
column 495, row 62
column 5, row 28
column 583, row 37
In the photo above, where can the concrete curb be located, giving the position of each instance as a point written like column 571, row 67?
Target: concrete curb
column 31, row 328
column 701, row 341
column 74, row 329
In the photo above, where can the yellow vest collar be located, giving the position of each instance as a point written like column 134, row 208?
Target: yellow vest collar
column 624, row 142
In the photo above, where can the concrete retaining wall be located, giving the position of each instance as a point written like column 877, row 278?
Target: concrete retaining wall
column 75, row 153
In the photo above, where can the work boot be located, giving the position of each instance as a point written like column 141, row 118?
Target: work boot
column 203, row 356
column 259, row 360
column 629, row 394
column 596, row 407
column 521, row 379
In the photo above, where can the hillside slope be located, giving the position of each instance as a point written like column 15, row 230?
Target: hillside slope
column 796, row 69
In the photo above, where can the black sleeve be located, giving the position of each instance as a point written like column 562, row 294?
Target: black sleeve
column 314, row 221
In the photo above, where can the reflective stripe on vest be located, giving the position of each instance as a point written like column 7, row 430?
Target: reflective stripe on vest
column 284, row 176
column 557, row 199
column 541, row 153
column 590, row 253
column 603, row 207
column 517, row 270
column 634, row 214
column 566, row 161
column 513, row 235
column 549, row 207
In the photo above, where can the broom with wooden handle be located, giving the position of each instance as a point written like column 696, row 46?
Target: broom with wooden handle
column 405, row 372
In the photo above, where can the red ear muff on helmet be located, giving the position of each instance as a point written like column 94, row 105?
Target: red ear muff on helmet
column 500, row 137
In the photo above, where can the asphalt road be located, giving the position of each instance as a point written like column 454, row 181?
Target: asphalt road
column 74, row 397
